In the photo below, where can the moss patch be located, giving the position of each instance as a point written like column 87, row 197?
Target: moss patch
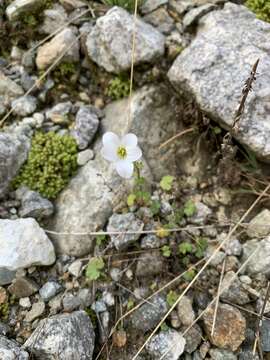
column 51, row 162
column 261, row 8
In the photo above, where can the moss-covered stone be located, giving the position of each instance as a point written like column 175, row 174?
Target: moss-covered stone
column 261, row 8
column 51, row 162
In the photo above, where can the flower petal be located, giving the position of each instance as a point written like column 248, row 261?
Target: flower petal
column 109, row 152
column 133, row 153
column 124, row 168
column 129, row 140
column 110, row 138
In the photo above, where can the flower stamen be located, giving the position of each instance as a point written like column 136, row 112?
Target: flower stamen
column 122, row 152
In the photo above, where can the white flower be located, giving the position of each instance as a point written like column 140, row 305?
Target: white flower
column 122, row 152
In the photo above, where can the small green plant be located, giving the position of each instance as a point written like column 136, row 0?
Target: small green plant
column 4, row 311
column 29, row 20
column 189, row 275
column 189, row 208
column 171, row 298
column 185, row 248
column 261, row 8
column 166, row 182
column 94, row 268
column 166, row 251
column 130, row 304
column 118, row 88
column 126, row 4
column 64, row 70
column 51, row 162
column 100, row 239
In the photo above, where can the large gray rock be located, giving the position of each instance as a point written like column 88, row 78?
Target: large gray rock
column 64, row 42
column 215, row 66
column 19, row 7
column 87, row 202
column 86, row 125
column 63, row 337
column 259, row 226
column 10, row 350
column 24, row 244
column 109, row 43
column 13, row 153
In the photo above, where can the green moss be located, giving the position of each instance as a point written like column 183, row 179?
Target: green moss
column 261, row 8
column 51, row 162
column 118, row 88
column 126, row 4
column 4, row 311
column 64, row 70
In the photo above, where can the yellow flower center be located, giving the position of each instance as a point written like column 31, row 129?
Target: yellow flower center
column 122, row 152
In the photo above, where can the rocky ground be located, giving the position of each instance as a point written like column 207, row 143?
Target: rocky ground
column 66, row 293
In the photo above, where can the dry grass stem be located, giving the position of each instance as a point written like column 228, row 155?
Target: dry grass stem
column 218, row 295
column 167, row 142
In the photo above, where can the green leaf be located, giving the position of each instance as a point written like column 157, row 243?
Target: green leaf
column 166, row 182
column 100, row 239
column 93, row 268
column 155, row 207
column 189, row 208
column 185, row 248
column 201, row 246
column 164, row 327
column 166, row 251
column 217, row 130
column 130, row 304
column 171, row 298
column 131, row 199
column 189, row 275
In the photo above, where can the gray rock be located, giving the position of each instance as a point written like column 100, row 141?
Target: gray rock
column 219, row 354
column 149, row 314
column 25, row 303
column 86, row 126
column 24, row 244
column 75, row 268
column 201, row 215
column 71, row 302
column 150, row 264
column 168, row 345
column 60, row 110
column 185, row 311
column 234, row 247
column 22, row 287
column 259, row 226
column 259, row 253
column 24, row 105
column 265, row 335
column 123, row 223
column 6, row 276
column 20, row 7
column 36, row 311
column 216, row 77
column 193, row 16
column 248, row 355
column 234, row 291
column 49, row 290
column 109, row 43
column 33, row 204
column 13, row 153
column 64, row 42
column 84, row 156
column 193, row 338
column 150, row 241
column 54, row 18
column 4, row 328
column 9, row 88
column 151, row 5
column 65, row 336
column 161, row 20
column 10, row 350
